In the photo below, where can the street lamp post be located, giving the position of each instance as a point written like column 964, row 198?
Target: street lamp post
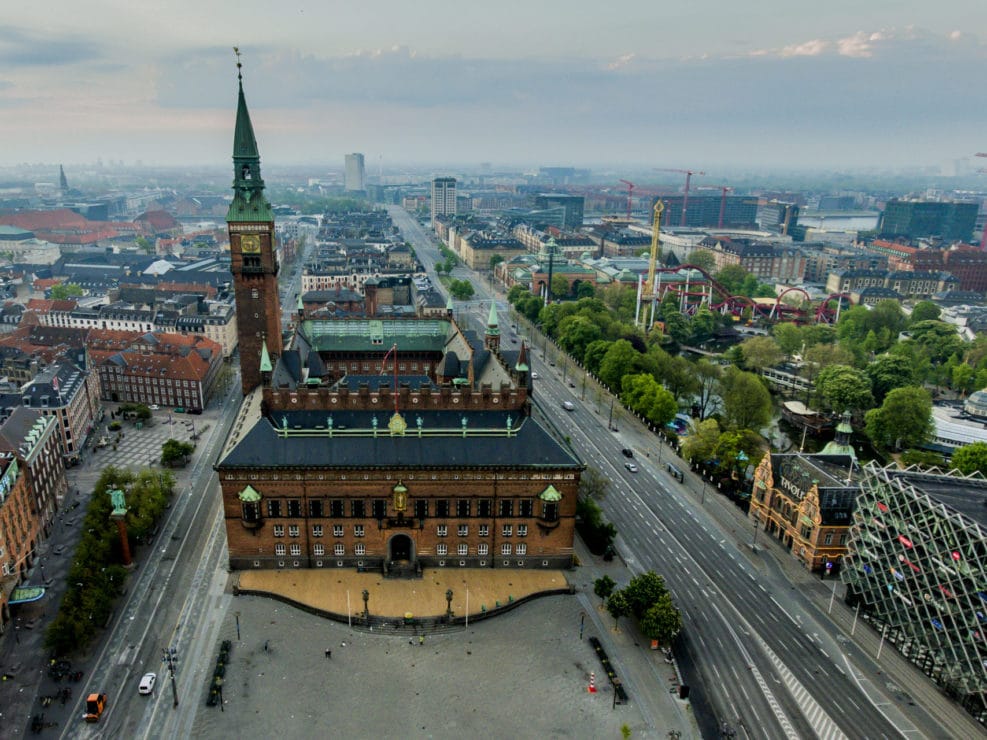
column 702, row 501
column 449, row 604
column 610, row 420
column 366, row 608
column 170, row 656
column 237, row 615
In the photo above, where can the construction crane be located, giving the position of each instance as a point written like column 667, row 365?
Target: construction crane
column 630, row 196
column 688, row 179
column 655, row 233
column 983, row 233
column 723, row 199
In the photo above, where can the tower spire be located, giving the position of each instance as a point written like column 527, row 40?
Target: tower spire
column 249, row 203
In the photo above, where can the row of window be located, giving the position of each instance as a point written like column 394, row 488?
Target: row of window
column 442, row 508
column 442, row 530
column 360, row 549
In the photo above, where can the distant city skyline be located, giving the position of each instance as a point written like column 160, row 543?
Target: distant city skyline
column 766, row 84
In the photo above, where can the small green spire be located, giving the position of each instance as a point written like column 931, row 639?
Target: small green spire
column 492, row 327
column 265, row 358
column 449, row 305
column 249, row 203
column 301, row 306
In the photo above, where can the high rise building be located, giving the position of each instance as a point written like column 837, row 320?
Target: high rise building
column 573, row 205
column 916, row 219
column 355, row 176
column 443, row 196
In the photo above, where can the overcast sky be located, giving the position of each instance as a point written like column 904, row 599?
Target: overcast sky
column 700, row 84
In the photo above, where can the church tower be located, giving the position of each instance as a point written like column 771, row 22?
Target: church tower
column 254, row 264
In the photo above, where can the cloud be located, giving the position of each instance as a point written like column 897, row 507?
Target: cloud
column 20, row 48
column 806, row 49
column 621, row 61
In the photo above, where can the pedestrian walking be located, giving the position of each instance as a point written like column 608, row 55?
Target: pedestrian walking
column 265, row 646
column 421, row 639
column 328, row 654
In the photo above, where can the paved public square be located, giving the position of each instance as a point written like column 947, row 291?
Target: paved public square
column 523, row 674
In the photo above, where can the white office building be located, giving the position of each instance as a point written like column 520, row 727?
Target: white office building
column 443, row 196
column 355, row 176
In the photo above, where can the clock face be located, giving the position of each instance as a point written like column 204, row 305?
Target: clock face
column 250, row 243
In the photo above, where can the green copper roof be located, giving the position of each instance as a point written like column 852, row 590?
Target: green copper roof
column 249, row 202
column 492, row 327
column 249, row 495
column 244, row 141
column 265, row 358
column 550, row 494
column 449, row 304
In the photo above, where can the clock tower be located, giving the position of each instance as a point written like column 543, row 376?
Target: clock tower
column 254, row 263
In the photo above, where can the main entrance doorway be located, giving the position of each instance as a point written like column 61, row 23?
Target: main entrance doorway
column 400, row 548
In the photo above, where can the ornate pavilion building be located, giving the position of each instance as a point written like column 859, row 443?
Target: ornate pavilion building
column 385, row 444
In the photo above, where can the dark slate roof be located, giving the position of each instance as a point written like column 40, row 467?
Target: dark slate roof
column 451, row 365
column 374, row 382
column 337, row 296
column 837, row 494
column 316, row 368
column 530, row 446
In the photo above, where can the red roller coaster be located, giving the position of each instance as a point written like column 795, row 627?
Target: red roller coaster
column 717, row 298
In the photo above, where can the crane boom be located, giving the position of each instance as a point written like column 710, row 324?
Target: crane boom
column 655, row 233
column 630, row 196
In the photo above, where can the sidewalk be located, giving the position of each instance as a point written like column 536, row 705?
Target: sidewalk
column 23, row 658
column 650, row 681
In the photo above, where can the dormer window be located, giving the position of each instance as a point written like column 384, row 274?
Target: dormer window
column 27, row 400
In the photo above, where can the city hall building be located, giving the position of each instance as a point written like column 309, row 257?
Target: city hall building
column 382, row 444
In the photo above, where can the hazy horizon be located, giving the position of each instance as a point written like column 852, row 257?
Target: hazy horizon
column 767, row 86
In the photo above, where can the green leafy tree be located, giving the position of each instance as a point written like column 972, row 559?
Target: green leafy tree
column 700, row 445
column 746, row 402
column 922, row 458
column 963, row 378
column 662, row 621
column 702, row 258
column 560, row 286
column 595, row 352
column 643, row 591
column 904, row 419
column 63, row 291
column 461, row 289
column 971, row 458
column 760, row 353
column 576, row 333
column 732, row 278
column 618, row 361
column 618, row 606
column 677, row 328
column 174, row 452
column 925, row 311
column 604, row 586
column 516, row 293
column 788, row 338
column 728, row 449
column 642, row 394
column 144, row 244
column 707, row 376
column 888, row 372
column 939, row 339
column 496, row 260
column 585, row 290
column 843, row 388
column 675, row 372
column 593, row 484
column 702, row 326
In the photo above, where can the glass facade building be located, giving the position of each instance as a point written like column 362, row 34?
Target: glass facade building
column 916, row 568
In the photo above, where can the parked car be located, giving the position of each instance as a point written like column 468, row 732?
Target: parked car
column 147, row 683
column 154, row 407
column 534, row 375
